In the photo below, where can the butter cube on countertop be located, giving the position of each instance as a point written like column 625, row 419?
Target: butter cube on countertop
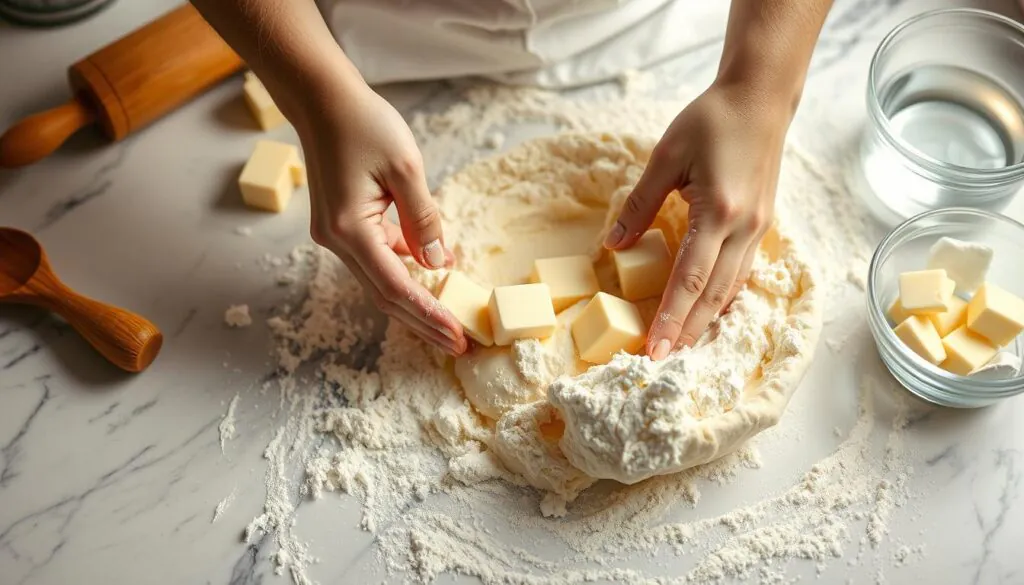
column 965, row 351
column 644, row 267
column 467, row 301
column 606, row 326
column 924, row 292
column 570, row 279
column 996, row 314
column 273, row 172
column 261, row 105
column 966, row 263
column 1003, row 366
column 919, row 334
column 521, row 311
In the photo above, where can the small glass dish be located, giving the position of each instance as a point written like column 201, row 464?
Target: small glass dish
column 907, row 248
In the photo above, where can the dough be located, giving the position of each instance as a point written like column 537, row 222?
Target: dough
column 632, row 418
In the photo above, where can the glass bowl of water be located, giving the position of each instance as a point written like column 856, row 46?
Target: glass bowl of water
column 945, row 104
column 907, row 248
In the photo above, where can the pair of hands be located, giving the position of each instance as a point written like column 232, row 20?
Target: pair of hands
column 722, row 153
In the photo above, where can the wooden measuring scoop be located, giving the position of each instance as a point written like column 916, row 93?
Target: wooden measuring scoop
column 129, row 341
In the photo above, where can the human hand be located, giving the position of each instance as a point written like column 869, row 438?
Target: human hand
column 722, row 153
column 361, row 157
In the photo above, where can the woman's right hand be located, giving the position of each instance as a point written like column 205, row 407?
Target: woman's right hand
column 361, row 156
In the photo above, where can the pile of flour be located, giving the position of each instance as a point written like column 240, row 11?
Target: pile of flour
column 404, row 442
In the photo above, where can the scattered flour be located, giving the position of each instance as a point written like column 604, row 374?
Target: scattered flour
column 405, row 443
column 244, row 231
column 223, row 505
column 237, row 316
column 227, row 424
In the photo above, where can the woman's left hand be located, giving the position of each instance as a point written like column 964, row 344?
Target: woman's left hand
column 722, row 153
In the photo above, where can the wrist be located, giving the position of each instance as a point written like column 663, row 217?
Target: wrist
column 319, row 93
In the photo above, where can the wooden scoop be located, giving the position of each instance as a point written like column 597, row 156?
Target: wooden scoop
column 129, row 341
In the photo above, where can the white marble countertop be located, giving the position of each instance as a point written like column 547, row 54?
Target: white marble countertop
column 113, row 478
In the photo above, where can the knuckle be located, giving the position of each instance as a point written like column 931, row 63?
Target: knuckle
column 633, row 204
column 714, row 295
column 694, row 282
column 726, row 210
column 408, row 166
column 424, row 217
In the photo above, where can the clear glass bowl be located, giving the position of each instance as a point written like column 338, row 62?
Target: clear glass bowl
column 906, row 248
column 945, row 105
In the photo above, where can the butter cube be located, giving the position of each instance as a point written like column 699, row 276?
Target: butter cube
column 467, row 301
column 966, row 351
column 996, row 314
column 273, row 172
column 606, row 326
column 570, row 278
column 521, row 311
column 645, row 267
column 896, row 312
column 947, row 321
column 261, row 106
column 920, row 336
column 924, row 292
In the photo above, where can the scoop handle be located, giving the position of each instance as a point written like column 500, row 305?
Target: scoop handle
column 128, row 340
column 37, row 136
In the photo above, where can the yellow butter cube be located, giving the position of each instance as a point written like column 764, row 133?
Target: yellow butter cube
column 644, row 268
column 966, row 351
column 273, row 172
column 924, row 292
column 949, row 320
column 261, row 105
column 467, row 301
column 570, row 279
column 521, row 311
column 896, row 313
column 606, row 326
column 918, row 333
column 996, row 314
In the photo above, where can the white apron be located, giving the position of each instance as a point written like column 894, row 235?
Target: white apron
column 548, row 43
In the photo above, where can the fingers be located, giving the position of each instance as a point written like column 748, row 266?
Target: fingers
column 391, row 280
column 396, row 241
column 658, row 179
column 744, row 272
column 417, row 213
column 716, row 292
column 686, row 285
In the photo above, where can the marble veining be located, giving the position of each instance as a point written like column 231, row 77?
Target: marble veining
column 112, row 478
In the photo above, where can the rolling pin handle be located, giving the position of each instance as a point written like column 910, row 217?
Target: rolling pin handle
column 37, row 136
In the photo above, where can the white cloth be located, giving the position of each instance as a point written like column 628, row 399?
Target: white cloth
column 548, row 43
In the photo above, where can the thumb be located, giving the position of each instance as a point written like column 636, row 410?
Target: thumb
column 418, row 215
column 643, row 203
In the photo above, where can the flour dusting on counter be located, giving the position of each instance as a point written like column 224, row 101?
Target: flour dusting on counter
column 392, row 429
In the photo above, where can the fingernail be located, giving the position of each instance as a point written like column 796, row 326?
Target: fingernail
column 615, row 236
column 433, row 253
column 449, row 334
column 661, row 350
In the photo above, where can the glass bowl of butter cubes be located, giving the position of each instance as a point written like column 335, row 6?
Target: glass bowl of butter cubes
column 946, row 306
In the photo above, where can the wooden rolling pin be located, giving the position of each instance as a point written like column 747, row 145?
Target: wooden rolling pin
column 128, row 84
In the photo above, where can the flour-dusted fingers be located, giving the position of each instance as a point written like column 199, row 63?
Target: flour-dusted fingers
column 643, row 203
column 396, row 241
column 391, row 278
column 742, row 275
column 690, row 275
column 418, row 214
column 716, row 291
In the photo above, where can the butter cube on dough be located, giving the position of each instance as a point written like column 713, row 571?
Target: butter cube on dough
column 996, row 314
column 920, row 336
column 260, row 103
column 966, row 351
column 273, row 172
column 606, row 326
column 467, row 301
column 964, row 262
column 949, row 320
column 521, row 311
column 644, row 268
column 570, row 278
column 924, row 292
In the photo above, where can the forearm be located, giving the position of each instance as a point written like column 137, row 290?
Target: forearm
column 288, row 45
column 768, row 46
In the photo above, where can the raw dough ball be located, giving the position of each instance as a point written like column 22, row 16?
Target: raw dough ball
column 526, row 441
